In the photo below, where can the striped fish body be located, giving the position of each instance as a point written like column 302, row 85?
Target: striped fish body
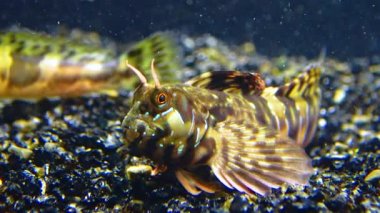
column 35, row 65
column 252, row 137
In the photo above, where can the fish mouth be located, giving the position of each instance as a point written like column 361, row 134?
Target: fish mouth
column 134, row 128
column 137, row 133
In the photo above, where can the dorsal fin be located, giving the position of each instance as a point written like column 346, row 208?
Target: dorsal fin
column 300, row 97
column 304, row 85
column 230, row 82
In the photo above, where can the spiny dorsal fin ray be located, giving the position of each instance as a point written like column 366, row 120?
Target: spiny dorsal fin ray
column 305, row 85
column 161, row 47
column 304, row 93
column 257, row 160
column 234, row 82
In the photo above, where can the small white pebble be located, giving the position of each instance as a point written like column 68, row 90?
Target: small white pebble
column 189, row 43
column 339, row 95
column 211, row 41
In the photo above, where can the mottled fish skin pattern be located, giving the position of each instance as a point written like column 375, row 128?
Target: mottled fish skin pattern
column 36, row 65
column 252, row 139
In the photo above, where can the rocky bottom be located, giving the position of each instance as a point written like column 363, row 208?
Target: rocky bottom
column 66, row 154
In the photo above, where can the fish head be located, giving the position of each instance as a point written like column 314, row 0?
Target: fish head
column 164, row 123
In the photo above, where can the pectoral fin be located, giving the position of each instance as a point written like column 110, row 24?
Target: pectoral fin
column 256, row 159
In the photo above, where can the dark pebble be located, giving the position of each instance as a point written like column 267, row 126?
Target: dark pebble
column 240, row 204
column 17, row 110
column 370, row 146
column 90, row 159
column 317, row 195
column 337, row 203
column 304, row 206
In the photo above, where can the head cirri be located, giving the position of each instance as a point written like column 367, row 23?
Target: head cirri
column 164, row 123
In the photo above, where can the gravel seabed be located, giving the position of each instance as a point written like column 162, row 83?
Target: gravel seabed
column 65, row 154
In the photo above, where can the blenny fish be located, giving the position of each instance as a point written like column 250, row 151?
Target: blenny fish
column 37, row 65
column 252, row 136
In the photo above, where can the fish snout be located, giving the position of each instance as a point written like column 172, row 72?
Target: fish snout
column 134, row 128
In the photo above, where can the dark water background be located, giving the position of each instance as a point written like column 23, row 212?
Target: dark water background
column 347, row 29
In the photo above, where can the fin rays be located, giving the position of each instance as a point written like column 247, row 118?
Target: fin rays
column 257, row 166
column 194, row 184
column 233, row 82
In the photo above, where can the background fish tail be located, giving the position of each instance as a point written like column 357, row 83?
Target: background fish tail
column 160, row 46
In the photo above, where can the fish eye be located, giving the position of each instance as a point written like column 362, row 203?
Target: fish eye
column 161, row 98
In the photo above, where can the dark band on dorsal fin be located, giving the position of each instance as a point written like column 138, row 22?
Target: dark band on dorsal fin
column 230, row 82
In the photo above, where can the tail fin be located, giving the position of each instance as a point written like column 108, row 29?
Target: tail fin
column 162, row 48
column 305, row 85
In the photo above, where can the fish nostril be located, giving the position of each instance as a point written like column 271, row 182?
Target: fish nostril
column 140, row 128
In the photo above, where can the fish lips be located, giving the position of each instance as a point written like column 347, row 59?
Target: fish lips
column 136, row 131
